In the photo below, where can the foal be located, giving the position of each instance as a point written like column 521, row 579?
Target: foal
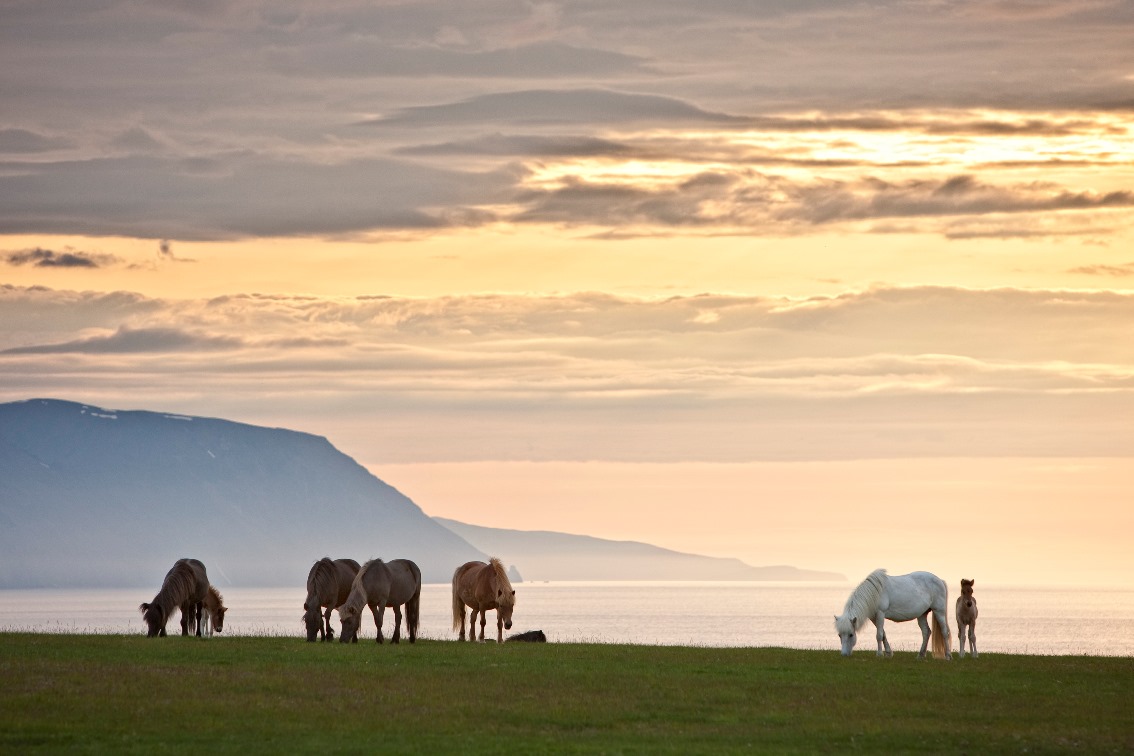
column 966, row 615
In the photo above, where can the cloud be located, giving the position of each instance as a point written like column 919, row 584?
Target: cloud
column 46, row 258
column 547, row 107
column 130, row 340
column 367, row 58
column 22, row 141
column 1124, row 270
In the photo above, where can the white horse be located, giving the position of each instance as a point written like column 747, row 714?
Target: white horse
column 899, row 598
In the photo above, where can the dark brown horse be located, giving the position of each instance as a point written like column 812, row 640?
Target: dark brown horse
column 379, row 585
column 184, row 587
column 328, row 585
column 482, row 587
column 966, row 616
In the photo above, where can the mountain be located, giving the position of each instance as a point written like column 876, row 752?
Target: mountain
column 544, row 555
column 99, row 498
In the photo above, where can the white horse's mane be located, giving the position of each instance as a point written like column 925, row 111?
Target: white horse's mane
column 862, row 604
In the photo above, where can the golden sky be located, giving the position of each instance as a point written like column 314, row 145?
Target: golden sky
column 591, row 267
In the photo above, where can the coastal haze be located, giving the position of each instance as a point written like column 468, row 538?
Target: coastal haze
column 95, row 498
column 816, row 284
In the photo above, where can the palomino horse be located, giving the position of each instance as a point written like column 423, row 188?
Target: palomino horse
column 328, row 585
column 899, row 598
column 184, row 587
column 482, row 587
column 966, row 616
column 210, row 613
column 379, row 585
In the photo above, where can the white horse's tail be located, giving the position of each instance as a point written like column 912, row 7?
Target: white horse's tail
column 938, row 639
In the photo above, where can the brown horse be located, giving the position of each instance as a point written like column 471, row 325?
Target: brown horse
column 379, row 585
column 482, row 587
column 210, row 613
column 328, row 585
column 184, row 587
column 966, row 616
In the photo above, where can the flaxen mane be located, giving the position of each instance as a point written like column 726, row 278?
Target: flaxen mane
column 862, row 604
column 507, row 595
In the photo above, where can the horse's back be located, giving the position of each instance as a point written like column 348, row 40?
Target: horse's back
column 405, row 580
column 195, row 575
column 911, row 595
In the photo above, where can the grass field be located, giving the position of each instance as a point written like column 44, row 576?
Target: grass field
column 103, row 693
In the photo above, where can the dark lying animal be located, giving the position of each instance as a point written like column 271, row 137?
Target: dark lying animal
column 531, row 636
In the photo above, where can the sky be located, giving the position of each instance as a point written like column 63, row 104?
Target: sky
column 835, row 285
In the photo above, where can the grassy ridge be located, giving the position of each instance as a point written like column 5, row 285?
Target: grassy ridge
column 128, row 693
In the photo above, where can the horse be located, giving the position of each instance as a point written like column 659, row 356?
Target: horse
column 899, row 598
column 966, row 616
column 328, row 585
column 184, row 587
column 482, row 587
column 379, row 585
column 210, row 613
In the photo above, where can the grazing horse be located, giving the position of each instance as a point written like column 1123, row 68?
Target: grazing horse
column 899, row 598
column 482, row 587
column 379, row 585
column 184, row 587
column 210, row 613
column 966, row 616
column 328, row 585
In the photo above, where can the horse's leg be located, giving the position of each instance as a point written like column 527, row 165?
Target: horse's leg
column 397, row 637
column 923, row 623
column 463, row 623
column 199, row 611
column 185, row 610
column 499, row 628
column 960, row 638
column 379, row 609
column 472, row 623
column 880, row 635
column 326, row 631
column 483, row 622
column 972, row 638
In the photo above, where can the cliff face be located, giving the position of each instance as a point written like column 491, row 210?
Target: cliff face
column 100, row 498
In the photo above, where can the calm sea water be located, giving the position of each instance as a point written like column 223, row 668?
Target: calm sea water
column 792, row 615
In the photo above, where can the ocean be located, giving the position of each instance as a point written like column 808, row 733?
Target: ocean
column 1031, row 620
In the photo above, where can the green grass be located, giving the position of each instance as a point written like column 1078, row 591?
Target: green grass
column 105, row 693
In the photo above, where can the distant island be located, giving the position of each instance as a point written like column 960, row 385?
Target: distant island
column 91, row 497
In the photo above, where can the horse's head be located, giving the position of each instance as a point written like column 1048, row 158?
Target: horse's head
column 847, row 628
column 155, row 619
column 349, row 620
column 313, row 618
column 967, row 599
column 504, row 607
column 218, row 619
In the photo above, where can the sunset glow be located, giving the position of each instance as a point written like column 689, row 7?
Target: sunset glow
column 849, row 281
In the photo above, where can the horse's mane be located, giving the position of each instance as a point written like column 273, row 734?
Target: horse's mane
column 214, row 598
column 322, row 581
column 862, row 604
column 502, row 582
column 357, row 597
column 176, row 588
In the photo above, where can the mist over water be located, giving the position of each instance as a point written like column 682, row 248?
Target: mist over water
column 793, row 615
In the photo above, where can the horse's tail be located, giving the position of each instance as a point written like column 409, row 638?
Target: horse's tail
column 413, row 613
column 458, row 604
column 938, row 639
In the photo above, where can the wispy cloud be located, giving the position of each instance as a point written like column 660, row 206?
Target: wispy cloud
column 896, row 372
column 68, row 258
